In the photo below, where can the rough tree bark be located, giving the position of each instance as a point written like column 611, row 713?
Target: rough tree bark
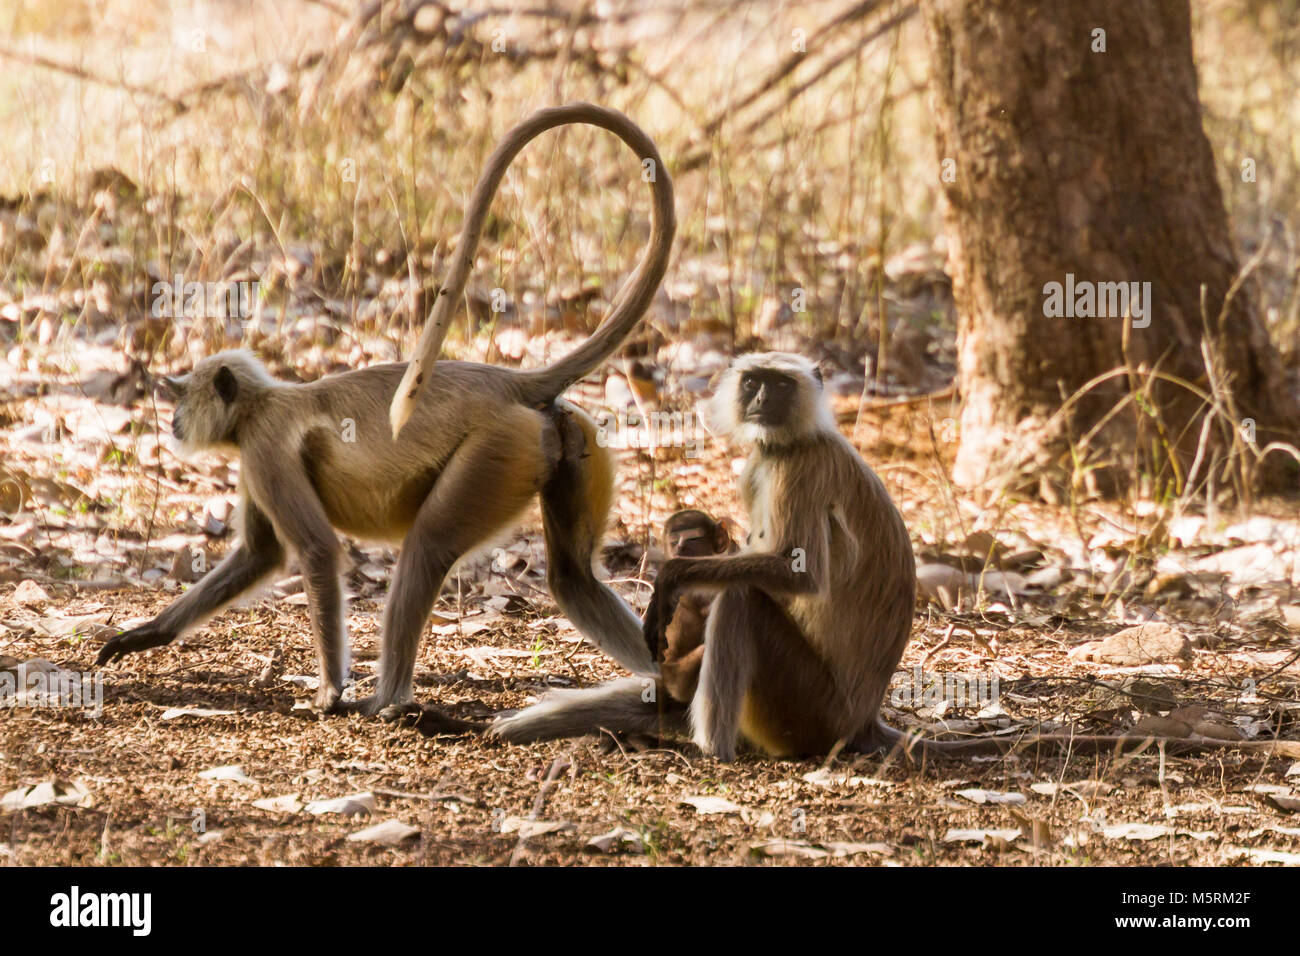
column 1059, row 159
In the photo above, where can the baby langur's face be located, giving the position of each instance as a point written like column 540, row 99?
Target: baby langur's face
column 693, row 534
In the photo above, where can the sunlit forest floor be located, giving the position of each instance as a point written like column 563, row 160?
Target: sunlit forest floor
column 323, row 164
column 142, row 771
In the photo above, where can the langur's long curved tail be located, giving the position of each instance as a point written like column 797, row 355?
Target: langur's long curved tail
column 883, row 738
column 630, row 304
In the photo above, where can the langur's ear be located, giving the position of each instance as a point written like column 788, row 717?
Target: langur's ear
column 723, row 534
column 817, row 374
column 225, row 384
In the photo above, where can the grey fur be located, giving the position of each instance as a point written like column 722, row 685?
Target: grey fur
column 479, row 444
column 823, row 636
column 617, row 706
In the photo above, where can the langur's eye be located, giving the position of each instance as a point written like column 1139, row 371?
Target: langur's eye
column 749, row 384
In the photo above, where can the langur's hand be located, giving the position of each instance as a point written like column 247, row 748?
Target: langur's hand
column 651, row 628
column 662, row 604
column 137, row 639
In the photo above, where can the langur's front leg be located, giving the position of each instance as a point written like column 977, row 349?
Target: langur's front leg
column 320, row 576
column 301, row 522
column 726, row 673
column 257, row 555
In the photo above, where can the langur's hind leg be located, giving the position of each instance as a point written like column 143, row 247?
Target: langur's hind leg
column 490, row 479
column 761, row 679
column 575, row 506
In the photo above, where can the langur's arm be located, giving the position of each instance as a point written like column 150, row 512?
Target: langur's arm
column 774, row 573
column 792, row 571
column 798, row 563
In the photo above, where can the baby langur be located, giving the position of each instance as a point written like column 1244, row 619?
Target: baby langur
column 689, row 534
column 478, row 444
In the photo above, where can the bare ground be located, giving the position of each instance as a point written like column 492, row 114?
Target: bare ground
column 144, row 799
column 464, row 796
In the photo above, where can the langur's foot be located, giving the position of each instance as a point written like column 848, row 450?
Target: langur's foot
column 137, row 639
column 328, row 700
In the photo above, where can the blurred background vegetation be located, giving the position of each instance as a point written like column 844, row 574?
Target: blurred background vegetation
column 325, row 150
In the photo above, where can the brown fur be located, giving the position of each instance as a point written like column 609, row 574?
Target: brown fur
column 689, row 534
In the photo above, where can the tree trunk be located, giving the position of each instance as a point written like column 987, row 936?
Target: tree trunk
column 1075, row 157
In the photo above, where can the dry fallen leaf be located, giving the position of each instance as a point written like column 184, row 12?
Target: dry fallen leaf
column 619, row 838
column 1153, row 642
column 980, row 836
column 977, row 795
column 229, row 772
column 485, row 655
column 80, row 625
column 1261, row 855
column 842, row 778
column 62, row 792
column 1135, row 831
column 1266, row 788
column 354, row 804
column 31, row 594
column 288, row 803
column 530, row 828
column 1284, row 802
column 1274, row 828
column 705, row 805
column 796, row 848
column 171, row 713
column 841, row 849
column 1083, row 789
column 387, row 833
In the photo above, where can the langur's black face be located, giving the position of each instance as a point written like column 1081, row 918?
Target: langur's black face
column 173, row 387
column 767, row 397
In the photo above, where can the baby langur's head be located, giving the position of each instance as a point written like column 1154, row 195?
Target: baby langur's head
column 212, row 398
column 693, row 534
column 769, row 398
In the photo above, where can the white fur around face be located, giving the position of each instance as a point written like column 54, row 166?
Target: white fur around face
column 720, row 413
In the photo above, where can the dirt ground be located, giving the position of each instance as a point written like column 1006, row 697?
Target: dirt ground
column 309, row 167
column 139, row 784
column 468, row 798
